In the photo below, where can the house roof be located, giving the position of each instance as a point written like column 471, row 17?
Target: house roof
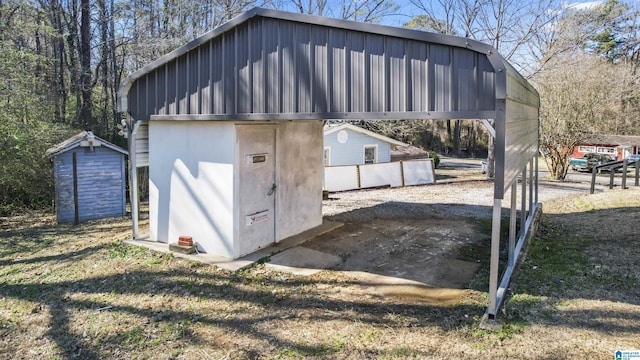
column 74, row 142
column 335, row 128
column 617, row 140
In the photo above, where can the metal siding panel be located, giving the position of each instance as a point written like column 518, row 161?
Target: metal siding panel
column 465, row 79
column 440, row 79
column 319, row 65
column 338, row 72
column 272, row 69
column 134, row 108
column 171, row 88
column 229, row 69
column 242, row 56
column 193, row 87
column 357, row 75
column 487, row 85
column 520, row 129
column 142, row 95
column 377, row 86
column 161, row 91
column 152, row 104
column 205, row 80
column 396, row 75
column 304, row 82
column 182, row 78
column 217, row 77
column 417, row 77
column 257, row 67
column 289, row 67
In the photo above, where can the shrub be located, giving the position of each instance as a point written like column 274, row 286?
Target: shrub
column 26, row 174
column 435, row 157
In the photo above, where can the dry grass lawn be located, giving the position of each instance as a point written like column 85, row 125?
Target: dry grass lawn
column 76, row 292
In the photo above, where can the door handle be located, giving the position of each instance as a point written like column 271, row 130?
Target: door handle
column 273, row 190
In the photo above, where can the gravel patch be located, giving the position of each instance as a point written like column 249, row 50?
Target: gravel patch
column 462, row 198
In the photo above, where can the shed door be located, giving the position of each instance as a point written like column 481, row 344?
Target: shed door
column 256, row 187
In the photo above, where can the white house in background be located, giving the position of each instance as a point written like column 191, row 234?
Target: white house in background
column 346, row 144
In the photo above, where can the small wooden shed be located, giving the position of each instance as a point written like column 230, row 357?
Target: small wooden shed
column 89, row 175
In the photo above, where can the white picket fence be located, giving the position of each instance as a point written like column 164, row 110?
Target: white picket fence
column 393, row 174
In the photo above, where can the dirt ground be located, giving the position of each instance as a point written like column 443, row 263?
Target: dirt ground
column 421, row 250
column 436, row 236
column 405, row 287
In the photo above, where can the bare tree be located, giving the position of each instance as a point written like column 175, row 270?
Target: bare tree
column 371, row 11
column 438, row 16
column 310, row 7
column 580, row 100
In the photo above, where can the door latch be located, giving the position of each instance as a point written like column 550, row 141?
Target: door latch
column 273, row 190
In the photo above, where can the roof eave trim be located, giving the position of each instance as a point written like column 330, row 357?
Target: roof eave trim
column 382, row 30
column 405, row 115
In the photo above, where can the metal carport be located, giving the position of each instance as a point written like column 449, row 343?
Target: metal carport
column 270, row 65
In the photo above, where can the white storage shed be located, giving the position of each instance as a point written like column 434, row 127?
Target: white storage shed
column 201, row 117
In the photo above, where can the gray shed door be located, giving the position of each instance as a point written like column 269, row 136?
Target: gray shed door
column 256, row 187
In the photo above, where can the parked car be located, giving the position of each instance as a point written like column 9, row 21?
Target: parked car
column 633, row 158
column 589, row 161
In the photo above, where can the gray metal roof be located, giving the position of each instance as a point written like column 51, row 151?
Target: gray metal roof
column 273, row 65
column 271, row 62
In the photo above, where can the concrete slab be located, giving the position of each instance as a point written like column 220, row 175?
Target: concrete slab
column 300, row 260
column 245, row 261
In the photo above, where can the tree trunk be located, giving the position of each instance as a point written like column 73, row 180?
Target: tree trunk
column 85, row 64
column 456, row 137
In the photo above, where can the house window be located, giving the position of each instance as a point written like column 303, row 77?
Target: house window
column 586, row 149
column 327, row 156
column 370, row 154
column 606, row 150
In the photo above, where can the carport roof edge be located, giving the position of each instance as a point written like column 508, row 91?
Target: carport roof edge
column 498, row 63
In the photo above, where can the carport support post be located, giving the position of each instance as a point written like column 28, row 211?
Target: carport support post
column 512, row 222
column 523, row 200
column 133, row 176
column 534, row 163
column 495, row 258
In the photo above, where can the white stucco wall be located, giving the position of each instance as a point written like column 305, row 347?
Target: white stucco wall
column 192, row 186
column 299, row 173
column 191, row 183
